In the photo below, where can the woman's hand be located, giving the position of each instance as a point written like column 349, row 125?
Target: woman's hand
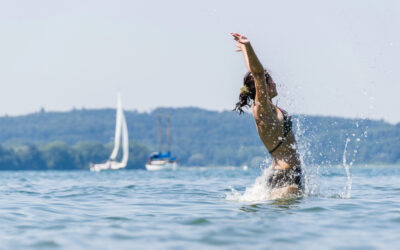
column 242, row 41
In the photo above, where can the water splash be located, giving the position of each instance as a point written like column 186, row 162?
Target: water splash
column 347, row 189
column 310, row 174
column 259, row 191
column 313, row 172
column 355, row 140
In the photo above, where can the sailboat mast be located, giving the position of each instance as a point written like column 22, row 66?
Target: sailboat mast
column 169, row 132
column 159, row 133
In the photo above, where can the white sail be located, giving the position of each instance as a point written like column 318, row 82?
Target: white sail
column 118, row 121
column 125, row 141
column 121, row 130
column 125, row 146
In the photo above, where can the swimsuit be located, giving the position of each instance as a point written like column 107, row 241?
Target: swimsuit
column 287, row 127
column 280, row 178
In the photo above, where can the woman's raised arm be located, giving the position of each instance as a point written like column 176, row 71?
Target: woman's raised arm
column 255, row 67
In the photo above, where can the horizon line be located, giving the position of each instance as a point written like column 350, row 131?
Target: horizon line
column 151, row 110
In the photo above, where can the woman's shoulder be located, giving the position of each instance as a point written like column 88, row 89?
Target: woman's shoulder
column 267, row 117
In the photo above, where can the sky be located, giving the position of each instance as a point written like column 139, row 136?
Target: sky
column 332, row 58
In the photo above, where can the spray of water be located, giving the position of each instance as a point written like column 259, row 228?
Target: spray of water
column 312, row 182
column 310, row 174
column 260, row 191
column 347, row 189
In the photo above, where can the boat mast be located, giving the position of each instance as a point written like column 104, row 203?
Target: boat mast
column 159, row 133
column 169, row 133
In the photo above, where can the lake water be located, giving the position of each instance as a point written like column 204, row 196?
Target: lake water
column 198, row 208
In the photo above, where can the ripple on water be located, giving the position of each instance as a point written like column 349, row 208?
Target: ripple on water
column 26, row 227
column 116, row 218
column 55, row 227
column 396, row 220
column 346, row 206
column 17, row 214
column 28, row 192
column 287, row 240
column 123, row 237
column 71, row 195
column 213, row 241
column 313, row 209
column 249, row 209
column 46, row 209
column 197, row 221
column 45, row 244
column 380, row 188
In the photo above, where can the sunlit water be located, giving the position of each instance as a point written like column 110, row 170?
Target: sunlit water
column 197, row 209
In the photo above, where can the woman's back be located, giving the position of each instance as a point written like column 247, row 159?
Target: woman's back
column 278, row 138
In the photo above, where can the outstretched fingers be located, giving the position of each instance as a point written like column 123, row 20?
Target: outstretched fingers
column 236, row 36
column 239, row 38
column 239, row 47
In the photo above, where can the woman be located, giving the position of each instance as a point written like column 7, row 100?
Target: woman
column 274, row 125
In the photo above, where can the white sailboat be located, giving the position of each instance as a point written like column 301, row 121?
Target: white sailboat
column 121, row 131
column 159, row 160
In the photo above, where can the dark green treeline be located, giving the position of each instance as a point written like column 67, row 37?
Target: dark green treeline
column 61, row 156
column 71, row 140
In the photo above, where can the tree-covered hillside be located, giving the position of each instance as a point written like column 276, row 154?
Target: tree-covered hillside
column 61, row 156
column 199, row 137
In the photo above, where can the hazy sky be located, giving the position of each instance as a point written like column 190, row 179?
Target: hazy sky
column 337, row 58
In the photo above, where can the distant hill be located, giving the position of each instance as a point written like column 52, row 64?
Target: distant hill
column 202, row 137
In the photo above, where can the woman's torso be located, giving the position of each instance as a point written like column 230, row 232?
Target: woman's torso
column 278, row 139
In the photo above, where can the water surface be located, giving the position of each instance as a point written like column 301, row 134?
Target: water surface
column 197, row 209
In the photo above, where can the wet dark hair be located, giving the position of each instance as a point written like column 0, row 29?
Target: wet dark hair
column 248, row 92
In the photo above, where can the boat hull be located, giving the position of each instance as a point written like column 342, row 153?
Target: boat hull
column 161, row 165
column 109, row 165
